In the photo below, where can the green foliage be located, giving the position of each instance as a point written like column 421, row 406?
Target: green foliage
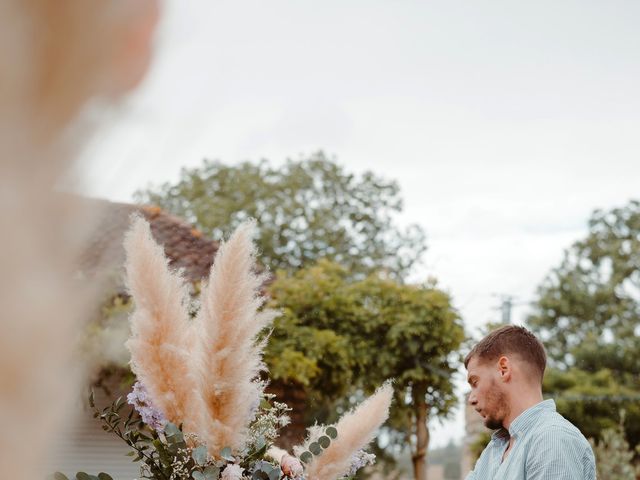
column 614, row 457
column 593, row 400
column 306, row 210
column 588, row 314
column 83, row 476
column 155, row 452
column 592, row 297
column 352, row 335
column 266, row 471
column 173, row 454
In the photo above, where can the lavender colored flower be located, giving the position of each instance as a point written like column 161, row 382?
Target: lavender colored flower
column 141, row 401
column 361, row 459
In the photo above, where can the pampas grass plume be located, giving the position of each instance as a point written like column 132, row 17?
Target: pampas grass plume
column 355, row 430
column 229, row 360
column 161, row 333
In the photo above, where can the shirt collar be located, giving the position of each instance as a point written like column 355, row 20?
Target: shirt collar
column 525, row 420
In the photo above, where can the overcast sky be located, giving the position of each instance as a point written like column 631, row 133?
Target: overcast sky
column 505, row 123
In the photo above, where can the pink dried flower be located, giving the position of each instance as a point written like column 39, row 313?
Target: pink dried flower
column 291, row 466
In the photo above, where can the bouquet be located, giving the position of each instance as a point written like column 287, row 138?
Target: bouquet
column 200, row 409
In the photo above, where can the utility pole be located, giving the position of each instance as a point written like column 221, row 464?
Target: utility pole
column 507, row 302
column 505, row 308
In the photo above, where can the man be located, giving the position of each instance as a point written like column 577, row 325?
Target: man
column 532, row 441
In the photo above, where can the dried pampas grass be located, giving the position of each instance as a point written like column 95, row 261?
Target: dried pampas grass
column 355, row 430
column 161, row 333
column 203, row 373
column 229, row 360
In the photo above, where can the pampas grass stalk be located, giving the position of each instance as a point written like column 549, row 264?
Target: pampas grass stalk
column 355, row 430
column 161, row 332
column 229, row 360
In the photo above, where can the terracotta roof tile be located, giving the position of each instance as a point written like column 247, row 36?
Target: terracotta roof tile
column 186, row 247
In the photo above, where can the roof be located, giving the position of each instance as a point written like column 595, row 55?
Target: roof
column 185, row 246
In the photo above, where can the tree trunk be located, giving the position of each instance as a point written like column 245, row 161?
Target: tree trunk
column 422, row 432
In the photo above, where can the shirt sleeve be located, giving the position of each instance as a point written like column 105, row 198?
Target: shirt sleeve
column 560, row 454
column 478, row 466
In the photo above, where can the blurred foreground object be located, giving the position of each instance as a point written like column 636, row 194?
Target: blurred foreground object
column 55, row 57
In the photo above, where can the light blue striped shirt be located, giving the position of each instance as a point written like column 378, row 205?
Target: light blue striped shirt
column 546, row 447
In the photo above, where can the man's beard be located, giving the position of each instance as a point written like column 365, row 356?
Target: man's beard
column 497, row 402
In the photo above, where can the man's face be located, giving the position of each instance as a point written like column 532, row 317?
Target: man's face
column 487, row 395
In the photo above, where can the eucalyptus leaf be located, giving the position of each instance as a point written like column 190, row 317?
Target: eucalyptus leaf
column 265, row 471
column 104, row 476
column 275, row 474
column 324, row 441
column 171, row 429
column 198, row 476
column 211, row 472
column 199, row 455
column 60, row 476
column 260, row 443
column 226, row 454
column 331, row 432
column 306, row 457
column 315, row 448
column 176, row 439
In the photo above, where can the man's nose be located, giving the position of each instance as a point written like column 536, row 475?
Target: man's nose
column 472, row 399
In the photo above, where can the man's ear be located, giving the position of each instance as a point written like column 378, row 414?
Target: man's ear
column 504, row 368
column 133, row 25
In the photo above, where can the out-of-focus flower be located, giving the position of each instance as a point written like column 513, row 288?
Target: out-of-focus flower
column 141, row 401
column 291, row 466
column 232, row 472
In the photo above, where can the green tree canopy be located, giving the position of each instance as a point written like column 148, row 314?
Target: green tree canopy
column 588, row 314
column 593, row 297
column 338, row 335
column 306, row 210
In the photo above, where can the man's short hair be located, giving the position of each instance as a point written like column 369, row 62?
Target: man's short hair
column 511, row 339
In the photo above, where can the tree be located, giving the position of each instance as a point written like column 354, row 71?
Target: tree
column 592, row 400
column 306, row 210
column 349, row 336
column 588, row 314
column 614, row 458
